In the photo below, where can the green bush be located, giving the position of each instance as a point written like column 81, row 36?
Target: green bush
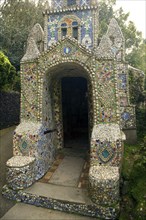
column 9, row 79
column 141, row 122
column 134, row 173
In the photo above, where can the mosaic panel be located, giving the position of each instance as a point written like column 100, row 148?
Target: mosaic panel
column 122, row 81
column 29, row 94
column 57, row 4
column 84, row 2
column 30, row 139
column 57, row 106
column 68, row 49
column 47, row 111
column 105, row 152
column 106, row 92
column 123, row 101
column 128, row 119
column 106, row 145
column 127, row 111
column 85, row 31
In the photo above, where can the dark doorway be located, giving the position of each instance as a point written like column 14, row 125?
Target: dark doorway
column 75, row 111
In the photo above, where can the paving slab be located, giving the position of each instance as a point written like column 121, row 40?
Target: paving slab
column 6, row 152
column 70, row 194
column 68, row 172
column 27, row 212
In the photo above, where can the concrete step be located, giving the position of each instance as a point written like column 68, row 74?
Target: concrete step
column 41, row 196
column 64, row 193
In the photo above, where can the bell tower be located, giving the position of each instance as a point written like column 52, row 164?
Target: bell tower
column 76, row 19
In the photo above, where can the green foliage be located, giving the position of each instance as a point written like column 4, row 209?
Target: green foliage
column 8, row 76
column 133, row 172
column 106, row 13
column 16, row 20
column 141, row 122
column 137, row 58
column 136, row 88
column 129, row 153
column 138, row 183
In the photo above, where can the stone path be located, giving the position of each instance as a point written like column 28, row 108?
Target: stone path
column 6, row 152
column 68, row 172
column 28, row 212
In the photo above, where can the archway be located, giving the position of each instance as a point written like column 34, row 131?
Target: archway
column 70, row 90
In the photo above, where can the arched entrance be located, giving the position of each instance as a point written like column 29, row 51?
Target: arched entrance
column 70, row 90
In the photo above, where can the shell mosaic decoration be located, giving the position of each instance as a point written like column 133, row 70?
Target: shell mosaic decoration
column 70, row 39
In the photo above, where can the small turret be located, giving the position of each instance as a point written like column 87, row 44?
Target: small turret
column 47, row 5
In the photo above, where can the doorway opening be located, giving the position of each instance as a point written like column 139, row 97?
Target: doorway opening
column 75, row 112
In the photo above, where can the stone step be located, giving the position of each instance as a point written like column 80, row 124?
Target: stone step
column 40, row 195
column 65, row 193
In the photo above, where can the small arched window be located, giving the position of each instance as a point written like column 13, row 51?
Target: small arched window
column 63, row 29
column 71, row 2
column 75, row 29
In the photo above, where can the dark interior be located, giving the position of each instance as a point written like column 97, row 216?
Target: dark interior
column 75, row 111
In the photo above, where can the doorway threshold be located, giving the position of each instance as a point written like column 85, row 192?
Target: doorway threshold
column 70, row 168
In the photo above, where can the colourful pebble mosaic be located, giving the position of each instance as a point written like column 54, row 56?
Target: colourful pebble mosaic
column 104, row 184
column 20, row 172
column 70, row 40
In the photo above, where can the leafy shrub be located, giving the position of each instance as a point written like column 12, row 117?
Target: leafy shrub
column 9, row 79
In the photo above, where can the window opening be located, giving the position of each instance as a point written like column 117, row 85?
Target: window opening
column 63, row 29
column 75, row 32
column 75, row 23
column 75, row 29
column 64, row 32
